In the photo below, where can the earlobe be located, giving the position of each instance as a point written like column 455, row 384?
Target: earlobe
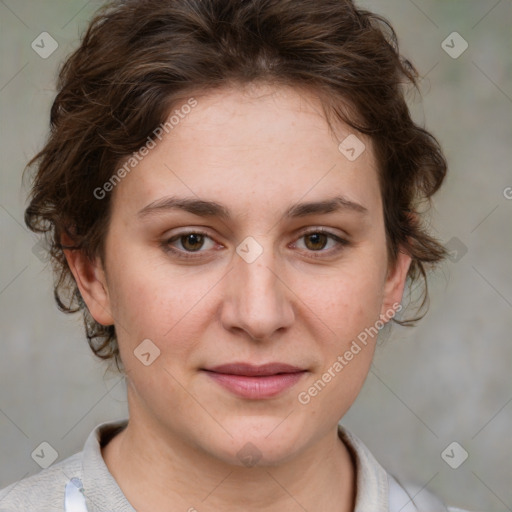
column 90, row 278
column 395, row 283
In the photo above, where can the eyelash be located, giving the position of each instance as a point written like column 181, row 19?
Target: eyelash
column 194, row 255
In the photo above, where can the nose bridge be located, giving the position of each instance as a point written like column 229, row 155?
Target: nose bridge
column 259, row 302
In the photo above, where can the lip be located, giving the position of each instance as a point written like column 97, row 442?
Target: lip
column 256, row 382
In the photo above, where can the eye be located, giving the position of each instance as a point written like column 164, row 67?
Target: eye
column 190, row 242
column 318, row 239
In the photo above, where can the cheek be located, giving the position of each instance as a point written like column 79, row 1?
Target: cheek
column 346, row 312
column 159, row 302
column 346, row 302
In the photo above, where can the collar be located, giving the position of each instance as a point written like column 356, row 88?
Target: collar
column 100, row 488
column 372, row 485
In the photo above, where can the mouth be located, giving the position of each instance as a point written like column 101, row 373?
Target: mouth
column 256, row 382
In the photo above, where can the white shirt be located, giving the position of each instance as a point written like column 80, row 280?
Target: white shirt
column 51, row 490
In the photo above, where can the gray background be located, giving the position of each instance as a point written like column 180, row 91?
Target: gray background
column 449, row 379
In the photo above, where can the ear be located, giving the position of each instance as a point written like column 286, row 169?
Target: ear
column 395, row 283
column 90, row 278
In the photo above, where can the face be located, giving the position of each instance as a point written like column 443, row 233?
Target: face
column 281, row 292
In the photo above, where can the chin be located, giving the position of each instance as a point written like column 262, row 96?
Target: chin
column 260, row 441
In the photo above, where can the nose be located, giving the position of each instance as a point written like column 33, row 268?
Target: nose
column 257, row 299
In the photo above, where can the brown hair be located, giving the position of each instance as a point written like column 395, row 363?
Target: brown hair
column 140, row 58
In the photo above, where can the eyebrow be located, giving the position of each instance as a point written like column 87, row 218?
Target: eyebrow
column 205, row 208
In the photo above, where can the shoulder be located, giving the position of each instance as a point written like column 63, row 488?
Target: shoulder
column 62, row 484
column 377, row 489
column 43, row 491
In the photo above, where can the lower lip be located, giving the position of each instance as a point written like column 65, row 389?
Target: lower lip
column 256, row 387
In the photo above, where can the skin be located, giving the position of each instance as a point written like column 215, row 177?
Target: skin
column 257, row 151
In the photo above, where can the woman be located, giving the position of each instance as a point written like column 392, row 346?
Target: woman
column 231, row 190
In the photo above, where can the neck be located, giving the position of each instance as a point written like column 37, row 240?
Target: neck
column 156, row 471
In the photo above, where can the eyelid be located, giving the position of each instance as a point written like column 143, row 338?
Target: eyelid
column 322, row 229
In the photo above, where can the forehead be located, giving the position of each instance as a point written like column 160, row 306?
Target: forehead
column 253, row 147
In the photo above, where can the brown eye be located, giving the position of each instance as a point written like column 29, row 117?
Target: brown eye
column 316, row 241
column 321, row 243
column 188, row 244
column 192, row 241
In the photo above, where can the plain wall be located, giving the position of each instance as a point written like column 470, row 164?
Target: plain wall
column 448, row 379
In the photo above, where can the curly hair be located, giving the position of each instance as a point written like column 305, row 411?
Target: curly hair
column 140, row 58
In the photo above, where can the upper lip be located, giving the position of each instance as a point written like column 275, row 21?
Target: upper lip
column 250, row 370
